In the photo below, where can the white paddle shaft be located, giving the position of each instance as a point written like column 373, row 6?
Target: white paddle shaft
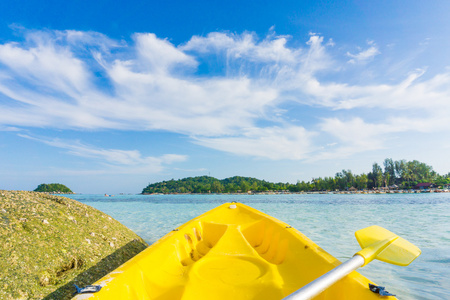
column 317, row 286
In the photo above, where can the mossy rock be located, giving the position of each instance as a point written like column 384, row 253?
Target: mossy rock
column 49, row 243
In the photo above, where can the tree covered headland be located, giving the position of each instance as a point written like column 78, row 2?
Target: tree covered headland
column 56, row 188
column 400, row 174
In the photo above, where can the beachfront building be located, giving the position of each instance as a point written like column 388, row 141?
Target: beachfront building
column 423, row 186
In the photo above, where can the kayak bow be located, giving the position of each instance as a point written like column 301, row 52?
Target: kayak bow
column 231, row 252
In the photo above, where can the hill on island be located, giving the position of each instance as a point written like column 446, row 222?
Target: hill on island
column 400, row 174
column 208, row 184
column 54, row 188
column 49, row 243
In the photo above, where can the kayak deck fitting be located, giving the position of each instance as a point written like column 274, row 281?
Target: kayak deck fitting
column 231, row 252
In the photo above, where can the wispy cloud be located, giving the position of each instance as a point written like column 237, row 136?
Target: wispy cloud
column 274, row 143
column 363, row 56
column 8, row 128
column 85, row 80
column 121, row 161
column 245, row 47
column 354, row 136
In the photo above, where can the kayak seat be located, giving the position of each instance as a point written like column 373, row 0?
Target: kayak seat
column 198, row 242
column 232, row 265
column 267, row 241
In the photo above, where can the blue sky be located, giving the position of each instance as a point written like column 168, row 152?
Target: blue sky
column 108, row 96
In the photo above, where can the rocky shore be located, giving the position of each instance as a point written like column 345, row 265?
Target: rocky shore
column 49, row 243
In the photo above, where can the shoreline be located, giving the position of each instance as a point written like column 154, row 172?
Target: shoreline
column 315, row 192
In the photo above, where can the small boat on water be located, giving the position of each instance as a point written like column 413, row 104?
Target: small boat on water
column 237, row 252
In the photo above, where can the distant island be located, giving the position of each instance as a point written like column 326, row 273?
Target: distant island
column 396, row 175
column 53, row 188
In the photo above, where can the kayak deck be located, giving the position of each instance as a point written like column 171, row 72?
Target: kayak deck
column 230, row 252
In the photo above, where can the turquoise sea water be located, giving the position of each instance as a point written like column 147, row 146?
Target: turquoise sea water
column 329, row 220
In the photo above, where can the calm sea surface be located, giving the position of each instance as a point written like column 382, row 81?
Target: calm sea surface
column 329, row 220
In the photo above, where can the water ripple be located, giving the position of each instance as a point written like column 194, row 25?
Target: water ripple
column 329, row 220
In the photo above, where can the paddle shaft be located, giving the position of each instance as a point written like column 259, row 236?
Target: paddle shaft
column 317, row 286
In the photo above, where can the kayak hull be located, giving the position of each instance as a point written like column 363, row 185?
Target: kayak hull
column 231, row 252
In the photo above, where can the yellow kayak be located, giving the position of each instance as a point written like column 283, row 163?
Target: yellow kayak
column 231, row 252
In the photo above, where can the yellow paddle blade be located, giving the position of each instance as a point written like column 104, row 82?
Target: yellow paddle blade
column 379, row 243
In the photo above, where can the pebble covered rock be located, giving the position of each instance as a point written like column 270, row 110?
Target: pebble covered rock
column 49, row 243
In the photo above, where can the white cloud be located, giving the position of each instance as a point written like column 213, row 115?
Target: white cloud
column 275, row 143
column 157, row 55
column 271, row 57
column 364, row 55
column 8, row 128
column 121, row 161
column 244, row 47
column 361, row 135
column 356, row 135
column 90, row 40
column 84, row 80
column 409, row 94
column 46, row 66
column 146, row 94
column 353, row 136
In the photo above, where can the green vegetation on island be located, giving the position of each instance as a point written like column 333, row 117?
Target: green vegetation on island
column 49, row 243
column 207, row 184
column 400, row 174
column 53, row 188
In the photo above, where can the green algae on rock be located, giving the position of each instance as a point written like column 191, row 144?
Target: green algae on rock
column 49, row 243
